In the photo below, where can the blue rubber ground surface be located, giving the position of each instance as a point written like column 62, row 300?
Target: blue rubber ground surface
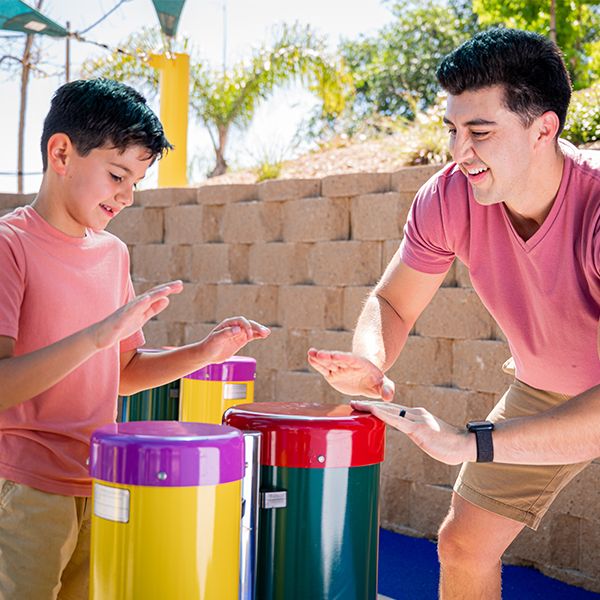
column 408, row 570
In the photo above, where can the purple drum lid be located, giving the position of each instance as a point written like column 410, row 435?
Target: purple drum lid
column 236, row 368
column 167, row 454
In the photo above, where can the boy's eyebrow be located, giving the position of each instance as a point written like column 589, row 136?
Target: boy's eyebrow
column 120, row 166
column 472, row 122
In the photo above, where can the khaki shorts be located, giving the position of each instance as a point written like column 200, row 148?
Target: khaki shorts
column 519, row 492
column 44, row 544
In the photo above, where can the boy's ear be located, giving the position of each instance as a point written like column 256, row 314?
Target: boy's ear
column 60, row 148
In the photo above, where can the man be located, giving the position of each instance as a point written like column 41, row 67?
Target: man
column 521, row 209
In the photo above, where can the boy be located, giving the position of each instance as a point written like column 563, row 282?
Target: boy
column 70, row 328
column 521, row 209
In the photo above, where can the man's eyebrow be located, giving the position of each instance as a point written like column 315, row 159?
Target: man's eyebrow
column 472, row 122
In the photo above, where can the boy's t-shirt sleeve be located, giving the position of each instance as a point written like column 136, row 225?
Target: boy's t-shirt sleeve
column 12, row 281
column 424, row 246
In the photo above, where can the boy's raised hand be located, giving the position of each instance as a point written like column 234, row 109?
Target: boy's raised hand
column 230, row 336
column 133, row 316
column 351, row 374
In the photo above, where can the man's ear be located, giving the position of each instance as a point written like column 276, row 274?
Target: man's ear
column 60, row 148
column 547, row 126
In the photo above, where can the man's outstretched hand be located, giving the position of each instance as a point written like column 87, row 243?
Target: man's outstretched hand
column 440, row 440
column 351, row 374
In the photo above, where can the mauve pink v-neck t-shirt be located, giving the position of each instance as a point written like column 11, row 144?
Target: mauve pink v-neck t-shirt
column 52, row 285
column 544, row 292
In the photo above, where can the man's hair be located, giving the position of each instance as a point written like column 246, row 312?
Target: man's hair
column 527, row 65
column 103, row 112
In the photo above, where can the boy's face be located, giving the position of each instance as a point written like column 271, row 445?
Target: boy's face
column 96, row 187
column 491, row 145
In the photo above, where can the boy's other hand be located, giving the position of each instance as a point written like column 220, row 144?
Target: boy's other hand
column 134, row 315
column 351, row 374
column 229, row 337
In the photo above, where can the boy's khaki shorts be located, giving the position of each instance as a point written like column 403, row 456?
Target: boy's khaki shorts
column 44, row 544
column 520, row 492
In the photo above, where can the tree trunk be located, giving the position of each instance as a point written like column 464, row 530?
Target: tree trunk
column 221, row 166
column 25, row 72
column 553, row 20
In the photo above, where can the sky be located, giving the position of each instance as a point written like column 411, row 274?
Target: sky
column 219, row 29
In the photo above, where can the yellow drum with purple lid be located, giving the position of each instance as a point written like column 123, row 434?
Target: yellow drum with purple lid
column 207, row 393
column 166, row 511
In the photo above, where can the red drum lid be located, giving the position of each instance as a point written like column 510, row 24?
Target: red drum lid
column 310, row 435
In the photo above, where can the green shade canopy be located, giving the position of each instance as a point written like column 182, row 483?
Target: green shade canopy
column 18, row 16
column 168, row 12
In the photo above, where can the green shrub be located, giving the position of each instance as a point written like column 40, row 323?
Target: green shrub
column 583, row 120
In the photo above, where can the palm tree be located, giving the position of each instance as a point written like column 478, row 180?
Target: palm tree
column 225, row 99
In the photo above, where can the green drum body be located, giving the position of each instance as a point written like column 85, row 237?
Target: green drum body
column 319, row 491
column 156, row 404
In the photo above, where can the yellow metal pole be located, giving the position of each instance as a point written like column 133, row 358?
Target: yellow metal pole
column 174, row 100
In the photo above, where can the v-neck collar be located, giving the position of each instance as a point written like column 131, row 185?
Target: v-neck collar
column 538, row 236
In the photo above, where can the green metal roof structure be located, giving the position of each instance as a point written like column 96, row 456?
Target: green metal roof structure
column 15, row 15
column 168, row 12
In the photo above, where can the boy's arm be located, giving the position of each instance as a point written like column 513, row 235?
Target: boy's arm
column 381, row 332
column 24, row 377
column 143, row 370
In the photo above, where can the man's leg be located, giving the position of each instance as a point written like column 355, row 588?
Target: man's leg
column 471, row 543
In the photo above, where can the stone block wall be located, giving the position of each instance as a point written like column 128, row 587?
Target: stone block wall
column 300, row 256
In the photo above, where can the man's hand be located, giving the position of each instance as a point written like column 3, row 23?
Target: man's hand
column 437, row 438
column 229, row 337
column 351, row 374
column 134, row 315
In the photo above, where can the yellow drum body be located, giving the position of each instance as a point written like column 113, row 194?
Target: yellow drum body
column 207, row 393
column 159, row 541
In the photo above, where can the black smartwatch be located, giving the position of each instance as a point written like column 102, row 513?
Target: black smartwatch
column 483, row 435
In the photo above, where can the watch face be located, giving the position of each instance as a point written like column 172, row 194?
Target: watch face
column 479, row 425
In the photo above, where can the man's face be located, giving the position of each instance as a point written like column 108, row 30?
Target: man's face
column 100, row 185
column 490, row 145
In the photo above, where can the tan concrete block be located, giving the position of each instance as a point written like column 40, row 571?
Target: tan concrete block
column 401, row 460
column 345, row 263
column 278, row 263
column 195, row 303
column 330, row 340
column 405, row 202
column 355, row 184
column 530, row 546
column 239, row 260
column 297, row 346
column 227, row 193
column 424, row 361
column 394, row 502
column 210, row 263
column 450, row 279
column 590, row 545
column 463, row 279
column 581, row 497
column 498, row 334
column 375, row 216
column 299, row 386
column 160, row 262
column 316, row 219
column 248, row 222
column 184, row 224
column 164, row 197
column 565, row 541
column 310, row 307
column 10, row 201
column 354, row 300
column 429, row 505
column 389, row 248
column 456, row 313
column 410, row 179
column 288, row 189
column 196, row 332
column 138, row 225
column 256, row 302
column 162, row 333
column 264, row 385
column 477, row 365
column 270, row 353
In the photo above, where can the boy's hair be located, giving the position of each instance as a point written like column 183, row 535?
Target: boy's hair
column 100, row 112
column 527, row 65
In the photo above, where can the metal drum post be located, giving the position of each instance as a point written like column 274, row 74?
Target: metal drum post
column 319, row 489
column 166, row 511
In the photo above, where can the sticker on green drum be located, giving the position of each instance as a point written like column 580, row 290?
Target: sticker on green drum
column 111, row 503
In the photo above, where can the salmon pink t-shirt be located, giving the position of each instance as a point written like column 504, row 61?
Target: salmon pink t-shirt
column 53, row 285
column 544, row 292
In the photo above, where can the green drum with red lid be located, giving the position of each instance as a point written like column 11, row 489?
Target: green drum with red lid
column 319, row 499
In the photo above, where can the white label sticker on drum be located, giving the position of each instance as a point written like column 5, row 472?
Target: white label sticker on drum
column 234, row 391
column 111, row 503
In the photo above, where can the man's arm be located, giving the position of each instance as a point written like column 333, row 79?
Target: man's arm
column 24, row 377
column 143, row 370
column 381, row 332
